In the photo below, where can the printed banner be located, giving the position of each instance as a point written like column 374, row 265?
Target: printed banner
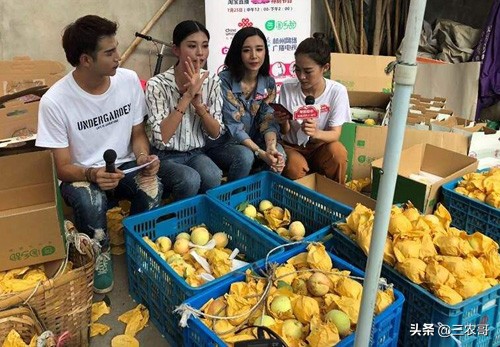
column 284, row 22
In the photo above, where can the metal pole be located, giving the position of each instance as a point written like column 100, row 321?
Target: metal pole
column 404, row 77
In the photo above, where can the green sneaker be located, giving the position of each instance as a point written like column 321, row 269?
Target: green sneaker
column 103, row 273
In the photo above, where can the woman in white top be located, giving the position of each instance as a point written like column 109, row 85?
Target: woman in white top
column 313, row 145
column 185, row 108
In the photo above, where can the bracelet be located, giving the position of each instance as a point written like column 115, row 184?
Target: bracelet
column 93, row 174
column 88, row 174
column 140, row 154
column 181, row 112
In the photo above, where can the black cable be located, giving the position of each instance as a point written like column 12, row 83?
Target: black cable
column 260, row 336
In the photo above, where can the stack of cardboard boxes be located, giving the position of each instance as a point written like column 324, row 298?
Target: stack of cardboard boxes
column 424, row 151
column 31, row 222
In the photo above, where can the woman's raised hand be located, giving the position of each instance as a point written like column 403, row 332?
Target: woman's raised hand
column 195, row 80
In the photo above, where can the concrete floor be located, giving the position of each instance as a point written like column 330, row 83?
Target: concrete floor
column 120, row 303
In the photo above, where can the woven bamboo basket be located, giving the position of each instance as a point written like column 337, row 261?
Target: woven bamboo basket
column 63, row 303
column 22, row 320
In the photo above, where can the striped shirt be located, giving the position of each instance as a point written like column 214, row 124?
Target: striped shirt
column 162, row 96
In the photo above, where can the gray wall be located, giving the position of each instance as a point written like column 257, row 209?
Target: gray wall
column 34, row 27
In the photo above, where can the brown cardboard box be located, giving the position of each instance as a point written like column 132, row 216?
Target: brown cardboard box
column 17, row 115
column 30, row 218
column 442, row 163
column 336, row 191
column 367, row 143
column 364, row 77
column 22, row 73
column 447, row 124
column 468, row 130
column 20, row 80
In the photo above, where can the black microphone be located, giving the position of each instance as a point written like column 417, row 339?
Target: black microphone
column 310, row 100
column 109, row 157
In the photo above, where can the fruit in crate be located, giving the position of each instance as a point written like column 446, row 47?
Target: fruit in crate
column 483, row 186
column 200, row 236
column 265, row 205
column 283, row 303
column 341, row 321
column 220, row 239
column 318, row 284
column 274, row 218
column 297, row 230
column 250, row 211
column 430, row 252
column 164, row 244
column 197, row 256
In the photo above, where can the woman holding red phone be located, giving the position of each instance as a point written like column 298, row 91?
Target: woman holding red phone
column 314, row 143
column 247, row 90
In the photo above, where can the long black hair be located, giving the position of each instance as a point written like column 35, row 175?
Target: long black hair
column 233, row 60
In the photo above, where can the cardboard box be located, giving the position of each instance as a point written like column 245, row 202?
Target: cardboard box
column 22, row 73
column 364, row 77
column 22, row 82
column 17, row 116
column 420, row 160
column 448, row 124
column 468, row 130
column 336, row 191
column 367, row 143
column 30, row 216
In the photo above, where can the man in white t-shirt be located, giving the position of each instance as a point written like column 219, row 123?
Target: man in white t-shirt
column 96, row 107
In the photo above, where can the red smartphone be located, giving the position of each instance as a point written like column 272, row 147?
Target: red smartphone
column 281, row 108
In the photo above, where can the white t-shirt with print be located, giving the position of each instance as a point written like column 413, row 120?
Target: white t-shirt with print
column 334, row 103
column 90, row 124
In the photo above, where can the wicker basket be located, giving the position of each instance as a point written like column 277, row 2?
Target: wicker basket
column 22, row 320
column 64, row 302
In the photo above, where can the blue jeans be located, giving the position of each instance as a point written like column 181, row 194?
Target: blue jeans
column 90, row 203
column 236, row 160
column 185, row 174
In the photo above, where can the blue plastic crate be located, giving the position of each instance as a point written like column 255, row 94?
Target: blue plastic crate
column 422, row 307
column 470, row 214
column 316, row 211
column 385, row 325
column 153, row 282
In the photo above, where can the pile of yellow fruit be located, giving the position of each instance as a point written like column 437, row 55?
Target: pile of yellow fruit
column 358, row 185
column 274, row 218
column 178, row 254
column 484, row 186
column 305, row 301
column 426, row 249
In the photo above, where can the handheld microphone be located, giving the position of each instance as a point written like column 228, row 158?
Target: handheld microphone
column 310, row 100
column 109, row 157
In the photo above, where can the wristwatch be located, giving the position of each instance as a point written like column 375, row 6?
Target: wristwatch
column 257, row 152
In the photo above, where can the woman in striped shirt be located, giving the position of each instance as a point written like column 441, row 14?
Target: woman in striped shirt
column 185, row 108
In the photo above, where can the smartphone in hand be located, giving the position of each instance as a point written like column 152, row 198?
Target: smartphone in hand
column 281, row 108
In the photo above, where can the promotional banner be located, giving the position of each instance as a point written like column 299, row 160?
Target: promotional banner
column 285, row 23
